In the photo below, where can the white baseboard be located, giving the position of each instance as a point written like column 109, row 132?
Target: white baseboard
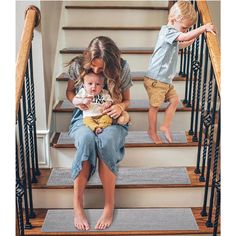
column 43, row 146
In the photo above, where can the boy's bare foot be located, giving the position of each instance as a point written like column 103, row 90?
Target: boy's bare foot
column 98, row 130
column 154, row 137
column 105, row 219
column 167, row 133
column 80, row 220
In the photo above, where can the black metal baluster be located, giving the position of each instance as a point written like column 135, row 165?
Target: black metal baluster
column 191, row 74
column 195, row 137
column 195, row 68
column 209, row 156
column 36, row 169
column 181, row 73
column 30, row 121
column 218, row 193
column 23, row 172
column 32, row 214
column 185, row 101
column 19, row 194
column 197, row 170
column 207, row 123
column 215, row 168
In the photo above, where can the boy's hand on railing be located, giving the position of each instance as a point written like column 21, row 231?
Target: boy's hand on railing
column 209, row 27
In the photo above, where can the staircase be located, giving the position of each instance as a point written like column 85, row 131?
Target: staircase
column 134, row 27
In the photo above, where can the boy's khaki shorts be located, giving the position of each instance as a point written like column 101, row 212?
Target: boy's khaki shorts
column 158, row 92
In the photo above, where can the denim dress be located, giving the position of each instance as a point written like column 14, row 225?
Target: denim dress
column 108, row 145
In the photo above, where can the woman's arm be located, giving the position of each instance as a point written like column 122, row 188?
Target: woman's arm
column 70, row 91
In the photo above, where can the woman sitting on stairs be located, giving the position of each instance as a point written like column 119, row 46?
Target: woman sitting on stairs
column 101, row 56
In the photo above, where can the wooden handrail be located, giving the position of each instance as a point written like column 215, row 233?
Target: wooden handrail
column 32, row 19
column 212, row 42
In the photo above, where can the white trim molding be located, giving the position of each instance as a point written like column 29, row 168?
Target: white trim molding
column 43, row 146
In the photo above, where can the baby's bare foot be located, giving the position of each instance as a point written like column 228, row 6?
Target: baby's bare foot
column 154, row 137
column 80, row 220
column 105, row 219
column 167, row 133
column 98, row 130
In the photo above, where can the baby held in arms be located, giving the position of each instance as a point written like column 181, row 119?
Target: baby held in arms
column 97, row 100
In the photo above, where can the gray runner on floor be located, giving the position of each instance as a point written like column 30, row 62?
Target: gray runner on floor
column 129, row 176
column 125, row 220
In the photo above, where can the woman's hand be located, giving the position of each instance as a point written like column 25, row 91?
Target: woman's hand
column 113, row 111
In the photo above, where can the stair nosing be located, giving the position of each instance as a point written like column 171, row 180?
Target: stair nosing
column 118, row 7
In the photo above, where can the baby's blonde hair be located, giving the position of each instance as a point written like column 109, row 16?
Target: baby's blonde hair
column 182, row 10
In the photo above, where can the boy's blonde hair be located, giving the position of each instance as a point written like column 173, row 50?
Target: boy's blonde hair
column 182, row 10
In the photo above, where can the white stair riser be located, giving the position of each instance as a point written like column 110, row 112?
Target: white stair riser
column 137, row 62
column 115, row 17
column 137, row 91
column 136, row 157
column 139, row 121
column 122, row 38
column 135, row 197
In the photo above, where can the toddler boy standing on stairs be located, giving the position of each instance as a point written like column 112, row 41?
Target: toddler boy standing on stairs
column 162, row 65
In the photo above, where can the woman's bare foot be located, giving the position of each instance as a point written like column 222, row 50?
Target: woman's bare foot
column 167, row 133
column 105, row 219
column 98, row 130
column 154, row 137
column 80, row 220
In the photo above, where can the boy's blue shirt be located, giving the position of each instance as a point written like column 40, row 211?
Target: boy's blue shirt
column 163, row 63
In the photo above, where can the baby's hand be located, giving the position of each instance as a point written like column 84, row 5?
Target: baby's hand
column 88, row 99
column 210, row 28
column 106, row 105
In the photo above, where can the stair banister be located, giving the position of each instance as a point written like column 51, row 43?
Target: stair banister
column 32, row 19
column 212, row 42
column 26, row 143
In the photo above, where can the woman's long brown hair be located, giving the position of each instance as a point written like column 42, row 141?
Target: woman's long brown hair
column 103, row 48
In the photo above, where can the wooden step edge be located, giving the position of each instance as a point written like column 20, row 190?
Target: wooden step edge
column 189, row 143
column 135, row 50
column 111, row 28
column 118, row 7
column 38, row 221
column 57, row 108
column 194, row 182
column 123, row 51
column 64, row 77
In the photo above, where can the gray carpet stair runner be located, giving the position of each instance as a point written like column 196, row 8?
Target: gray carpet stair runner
column 138, row 137
column 128, row 176
column 125, row 220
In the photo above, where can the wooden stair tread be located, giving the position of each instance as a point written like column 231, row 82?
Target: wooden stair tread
column 37, row 223
column 111, row 27
column 194, row 182
column 128, row 50
column 119, row 7
column 136, row 76
column 189, row 143
column 135, row 106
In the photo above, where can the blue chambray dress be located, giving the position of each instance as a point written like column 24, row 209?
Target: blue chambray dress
column 108, row 145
